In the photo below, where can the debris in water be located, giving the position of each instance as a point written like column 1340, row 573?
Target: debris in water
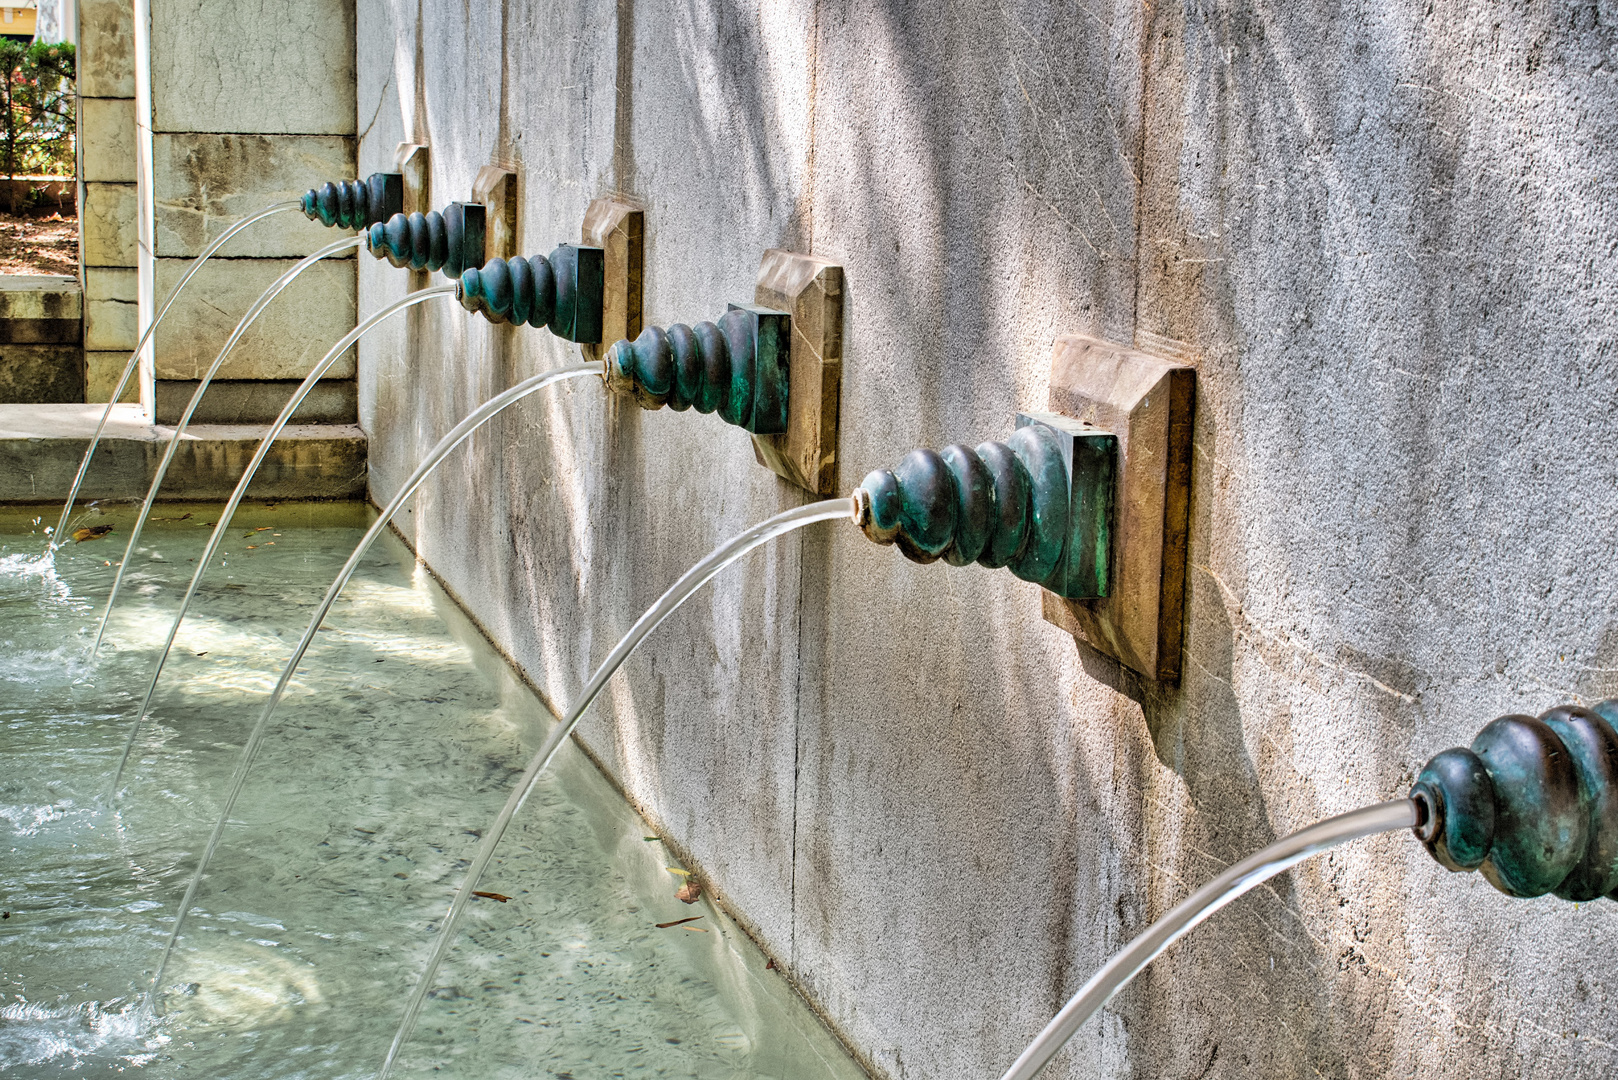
column 651, row 839
column 92, row 532
column 182, row 517
column 252, row 547
column 677, row 870
column 696, row 929
column 255, row 532
column 502, row 897
column 770, row 966
column 5, row 914
column 690, row 892
column 680, row 922
column 204, row 652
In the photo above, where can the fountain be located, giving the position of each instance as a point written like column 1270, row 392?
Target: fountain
column 1532, row 804
column 351, row 204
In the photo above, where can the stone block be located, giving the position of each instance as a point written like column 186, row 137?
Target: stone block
column 496, row 188
column 107, row 140
column 811, row 289
column 204, row 183
column 1147, row 402
column 618, row 228
column 107, row 225
column 111, row 311
column 101, row 372
column 106, row 54
column 41, row 374
column 39, row 297
column 289, row 337
column 283, row 68
column 41, row 447
column 257, row 401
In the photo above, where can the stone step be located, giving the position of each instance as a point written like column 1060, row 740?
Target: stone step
column 41, row 446
column 40, row 328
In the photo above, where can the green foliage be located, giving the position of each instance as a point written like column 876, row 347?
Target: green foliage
column 38, row 109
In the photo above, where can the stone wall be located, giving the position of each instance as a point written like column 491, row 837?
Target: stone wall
column 239, row 107
column 1384, row 232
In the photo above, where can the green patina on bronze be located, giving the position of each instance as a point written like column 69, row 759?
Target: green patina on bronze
column 736, row 367
column 562, row 291
column 1039, row 504
column 451, row 241
column 356, row 204
column 1532, row 804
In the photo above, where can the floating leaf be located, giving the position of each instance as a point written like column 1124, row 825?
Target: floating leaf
column 697, row 929
column 689, row 893
column 651, row 839
column 491, row 896
column 677, row 870
column 680, row 922
column 255, row 532
column 93, row 532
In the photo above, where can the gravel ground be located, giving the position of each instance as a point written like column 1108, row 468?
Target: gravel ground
column 43, row 244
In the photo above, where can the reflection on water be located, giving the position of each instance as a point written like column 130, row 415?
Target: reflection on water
column 397, row 744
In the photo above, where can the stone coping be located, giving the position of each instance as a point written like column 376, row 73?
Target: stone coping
column 41, row 446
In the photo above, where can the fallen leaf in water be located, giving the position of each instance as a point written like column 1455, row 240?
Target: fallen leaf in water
column 770, row 966
column 491, row 896
column 680, row 922
column 696, row 929
column 203, row 653
column 182, row 517
column 255, row 532
column 252, row 547
column 677, row 870
column 651, row 839
column 93, row 532
column 689, row 893
column 205, row 524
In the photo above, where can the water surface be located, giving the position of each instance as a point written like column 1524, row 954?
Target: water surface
column 395, row 746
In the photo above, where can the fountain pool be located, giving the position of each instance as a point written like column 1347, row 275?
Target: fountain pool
column 399, row 740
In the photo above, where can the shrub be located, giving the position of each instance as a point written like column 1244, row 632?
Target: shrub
column 38, row 108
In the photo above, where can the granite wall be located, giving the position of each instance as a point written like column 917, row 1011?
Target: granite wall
column 1385, row 233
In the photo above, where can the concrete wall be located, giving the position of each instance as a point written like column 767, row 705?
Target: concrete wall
column 239, row 107
column 1385, row 233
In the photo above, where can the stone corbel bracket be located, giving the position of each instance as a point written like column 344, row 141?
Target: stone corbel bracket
column 1148, row 404
column 410, row 161
column 496, row 188
column 618, row 228
column 810, row 289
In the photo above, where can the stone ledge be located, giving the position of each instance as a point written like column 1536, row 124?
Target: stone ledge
column 41, row 446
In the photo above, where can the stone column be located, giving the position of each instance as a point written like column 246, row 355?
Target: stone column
column 240, row 107
column 107, row 191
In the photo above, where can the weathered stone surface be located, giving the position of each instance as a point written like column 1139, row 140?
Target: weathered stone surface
column 41, row 447
column 283, row 68
column 257, row 401
column 41, row 373
column 1380, row 234
column 101, row 373
column 40, row 296
column 106, row 53
column 107, row 224
column 107, row 139
column 289, row 337
column 111, row 311
column 204, row 183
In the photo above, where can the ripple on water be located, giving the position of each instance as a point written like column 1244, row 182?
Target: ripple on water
column 64, row 1036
